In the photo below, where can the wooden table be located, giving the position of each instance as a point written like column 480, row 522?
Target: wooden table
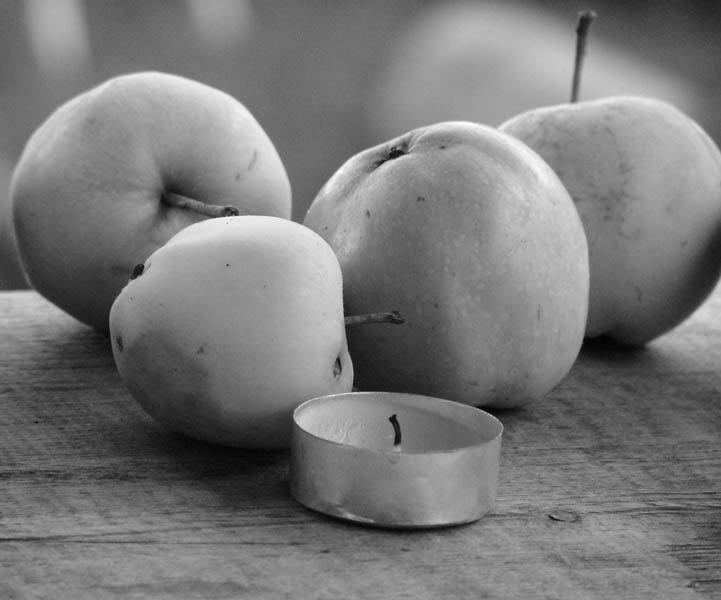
column 610, row 488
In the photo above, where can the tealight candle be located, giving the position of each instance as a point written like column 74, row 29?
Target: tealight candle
column 395, row 460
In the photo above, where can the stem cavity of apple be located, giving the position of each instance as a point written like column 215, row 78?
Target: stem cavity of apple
column 393, row 153
column 393, row 317
column 585, row 17
column 208, row 210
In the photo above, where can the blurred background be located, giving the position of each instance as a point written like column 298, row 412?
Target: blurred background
column 327, row 79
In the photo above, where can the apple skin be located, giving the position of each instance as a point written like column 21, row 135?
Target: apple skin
column 646, row 181
column 233, row 323
column 87, row 189
column 473, row 238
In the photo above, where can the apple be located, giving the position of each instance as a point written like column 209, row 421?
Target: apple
column 11, row 273
column 646, row 180
column 488, row 61
column 230, row 325
column 113, row 173
column 473, row 238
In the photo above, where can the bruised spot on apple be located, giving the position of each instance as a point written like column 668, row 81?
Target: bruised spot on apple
column 477, row 243
column 115, row 172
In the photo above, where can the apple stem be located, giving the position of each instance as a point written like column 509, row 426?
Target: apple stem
column 396, row 432
column 379, row 317
column 208, row 210
column 585, row 17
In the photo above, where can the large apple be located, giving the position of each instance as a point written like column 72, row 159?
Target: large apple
column 473, row 238
column 646, row 181
column 488, row 61
column 230, row 325
column 112, row 174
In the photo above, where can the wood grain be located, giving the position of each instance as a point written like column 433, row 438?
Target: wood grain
column 610, row 488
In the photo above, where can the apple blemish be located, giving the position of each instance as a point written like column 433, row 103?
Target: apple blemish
column 253, row 160
column 137, row 271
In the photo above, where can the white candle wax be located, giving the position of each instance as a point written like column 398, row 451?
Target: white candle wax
column 347, row 460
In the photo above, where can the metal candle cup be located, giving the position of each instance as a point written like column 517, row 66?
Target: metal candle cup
column 436, row 465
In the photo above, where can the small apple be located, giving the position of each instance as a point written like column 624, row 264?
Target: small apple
column 113, row 173
column 472, row 237
column 230, row 325
column 646, row 181
column 11, row 273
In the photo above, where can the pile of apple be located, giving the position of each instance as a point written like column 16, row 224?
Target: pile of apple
column 157, row 209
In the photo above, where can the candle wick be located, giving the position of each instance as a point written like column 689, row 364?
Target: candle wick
column 396, row 431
